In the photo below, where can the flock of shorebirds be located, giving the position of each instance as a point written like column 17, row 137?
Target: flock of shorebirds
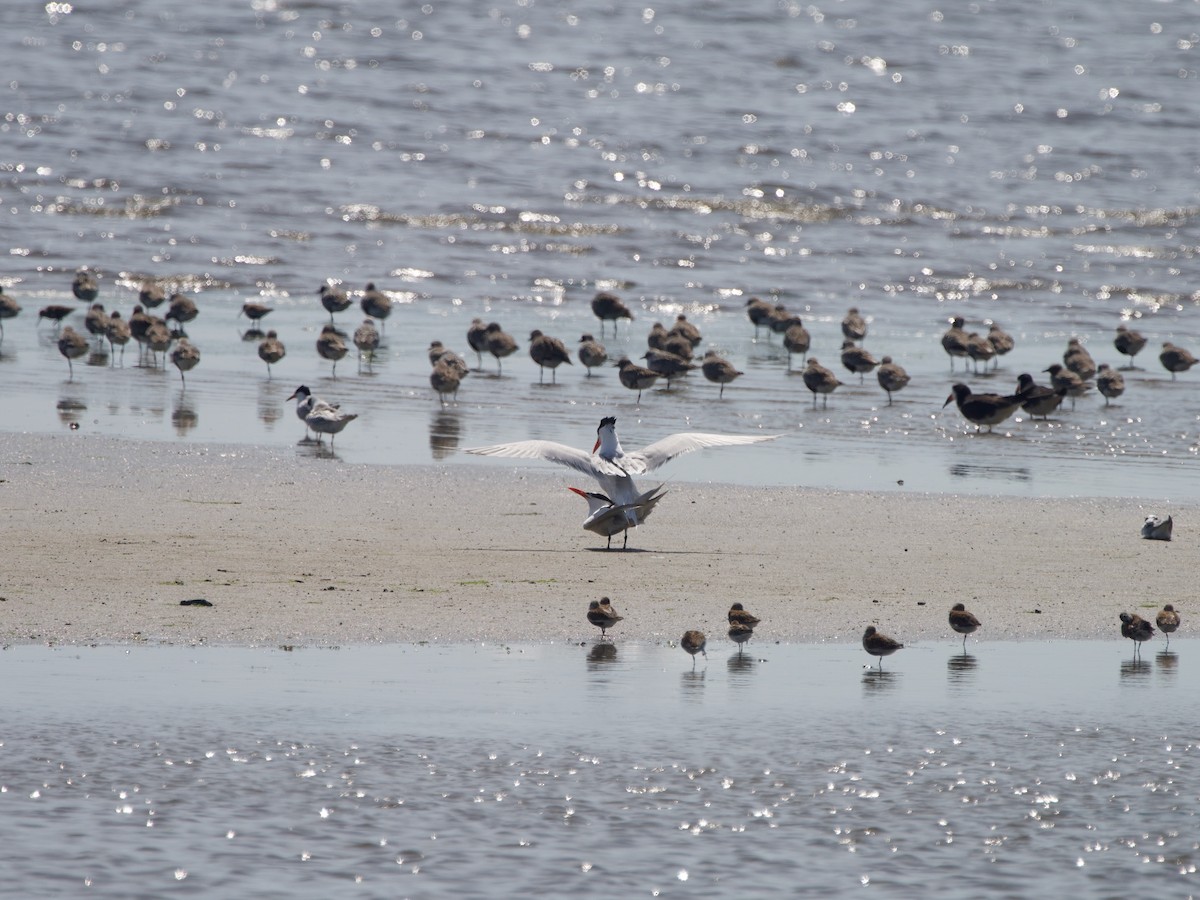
column 741, row 628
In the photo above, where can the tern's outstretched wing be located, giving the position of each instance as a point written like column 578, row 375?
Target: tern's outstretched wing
column 673, row 445
column 551, row 451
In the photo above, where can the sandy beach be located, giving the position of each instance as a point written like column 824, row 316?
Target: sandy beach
column 105, row 537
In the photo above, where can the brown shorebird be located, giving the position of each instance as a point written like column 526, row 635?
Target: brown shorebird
column 96, row 321
column 984, row 409
column 55, row 313
column 117, row 332
column 796, row 340
column 477, row 339
column 1109, row 382
column 677, row 344
column 331, row 346
column 271, row 350
column 1136, row 629
column 139, row 324
column 759, row 312
column 158, row 339
column 254, row 312
column 601, row 614
column 686, row 330
column 657, row 338
column 1175, row 359
column 366, row 341
column 72, row 345
column 1167, row 621
column 718, row 371
column 591, row 353
column 980, row 350
column 500, row 344
column 1078, row 360
column 739, row 616
column 547, row 352
column 668, row 365
column 85, row 286
column 739, row 634
column 1002, row 342
column 693, row 642
column 333, row 300
column 892, row 377
column 376, row 304
column 635, row 377
column 1063, row 379
column 963, row 622
column 954, row 341
column 781, row 320
column 442, row 355
column 1039, row 399
column 857, row 360
column 445, row 378
column 185, row 357
column 608, row 307
column 182, row 309
column 854, row 326
column 878, row 644
column 151, row 295
column 819, row 380
column 1129, row 343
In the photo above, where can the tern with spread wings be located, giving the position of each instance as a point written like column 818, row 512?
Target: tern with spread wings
column 612, row 466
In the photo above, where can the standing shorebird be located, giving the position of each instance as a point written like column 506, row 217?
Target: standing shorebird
column 271, row 350
column 255, row 312
column 1175, row 359
column 333, row 300
column 118, row 334
column 686, row 330
column 1136, row 629
column 1109, row 382
column 608, row 307
column 151, row 295
column 182, row 309
column 667, row 364
column 55, row 313
column 984, row 409
column 739, row 616
column 797, row 340
column 1063, row 379
column 892, row 377
column 477, row 339
column 693, row 642
column 547, row 352
column 500, row 344
column 606, row 518
column 158, row 340
column 591, row 353
column 85, row 286
column 96, row 322
column 601, row 614
column 980, row 350
column 1039, row 399
column 854, row 326
column 376, row 304
column 72, row 345
column 331, row 346
column 445, row 378
column 954, row 341
column 759, row 313
column 963, row 622
column 718, row 371
column 1167, row 621
column 819, row 380
column 185, row 357
column 1078, row 360
column 306, row 402
column 366, row 341
column 857, row 360
column 1002, row 342
column 879, row 644
column 1129, row 343
column 739, row 634
column 635, row 377
column 328, row 420
column 9, row 308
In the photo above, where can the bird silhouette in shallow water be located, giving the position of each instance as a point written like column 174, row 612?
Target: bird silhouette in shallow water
column 963, row 622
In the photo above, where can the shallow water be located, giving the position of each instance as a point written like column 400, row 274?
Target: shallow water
column 1030, row 165
column 603, row 769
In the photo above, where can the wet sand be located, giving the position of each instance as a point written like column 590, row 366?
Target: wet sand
column 104, row 537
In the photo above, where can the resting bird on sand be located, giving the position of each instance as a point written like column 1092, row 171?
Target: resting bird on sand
column 613, row 467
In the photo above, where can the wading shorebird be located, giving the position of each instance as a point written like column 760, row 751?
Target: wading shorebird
column 1167, row 621
column 693, row 642
column 601, row 614
column 613, row 467
column 963, row 622
column 1136, row 629
column 879, row 644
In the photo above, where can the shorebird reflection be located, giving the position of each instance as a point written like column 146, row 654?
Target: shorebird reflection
column 1135, row 670
column 960, row 669
column 184, row 416
column 445, row 431
column 1166, row 661
column 741, row 666
column 601, row 655
column 879, row 681
column 71, row 409
column 692, row 683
